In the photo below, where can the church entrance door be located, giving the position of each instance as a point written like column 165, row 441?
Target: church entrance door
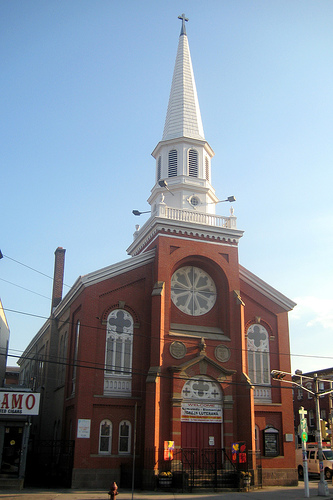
column 201, row 415
column 201, row 435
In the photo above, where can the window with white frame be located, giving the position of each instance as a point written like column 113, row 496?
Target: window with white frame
column 258, row 354
column 125, row 437
column 119, row 343
column 105, row 437
column 311, row 418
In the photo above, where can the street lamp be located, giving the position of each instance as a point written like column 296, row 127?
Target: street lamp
column 137, row 212
column 164, row 184
column 230, row 199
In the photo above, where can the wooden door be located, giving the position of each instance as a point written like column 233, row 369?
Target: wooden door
column 201, row 435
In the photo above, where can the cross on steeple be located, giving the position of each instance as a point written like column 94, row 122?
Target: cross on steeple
column 183, row 30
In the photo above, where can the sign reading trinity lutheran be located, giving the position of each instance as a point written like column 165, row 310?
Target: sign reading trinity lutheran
column 19, row 403
column 201, row 412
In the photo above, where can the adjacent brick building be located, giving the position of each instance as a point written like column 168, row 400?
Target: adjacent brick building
column 175, row 343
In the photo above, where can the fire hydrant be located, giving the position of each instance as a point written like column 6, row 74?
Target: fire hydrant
column 113, row 490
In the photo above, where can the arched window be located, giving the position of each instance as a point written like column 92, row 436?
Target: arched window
column 172, row 163
column 118, row 353
column 105, row 437
column 257, row 438
column 258, row 360
column 125, row 437
column 75, row 353
column 159, row 168
column 193, row 163
column 62, row 358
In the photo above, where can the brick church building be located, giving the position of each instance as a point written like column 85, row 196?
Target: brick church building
column 174, row 344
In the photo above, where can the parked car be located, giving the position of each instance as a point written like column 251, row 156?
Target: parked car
column 313, row 461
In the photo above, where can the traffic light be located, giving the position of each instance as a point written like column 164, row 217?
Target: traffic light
column 324, row 429
column 277, row 375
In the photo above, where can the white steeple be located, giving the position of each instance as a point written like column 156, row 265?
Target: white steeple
column 183, row 116
column 183, row 200
column 183, row 157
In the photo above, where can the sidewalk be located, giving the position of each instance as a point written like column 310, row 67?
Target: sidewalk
column 268, row 493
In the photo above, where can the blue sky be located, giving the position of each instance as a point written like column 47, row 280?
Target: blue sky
column 84, row 93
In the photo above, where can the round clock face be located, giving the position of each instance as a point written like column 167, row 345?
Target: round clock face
column 193, row 291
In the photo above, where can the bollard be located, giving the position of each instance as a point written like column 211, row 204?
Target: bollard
column 113, row 491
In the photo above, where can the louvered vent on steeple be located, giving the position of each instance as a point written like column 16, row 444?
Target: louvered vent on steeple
column 193, row 163
column 159, row 168
column 172, row 164
column 207, row 168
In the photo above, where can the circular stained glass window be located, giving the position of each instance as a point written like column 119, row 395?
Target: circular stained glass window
column 193, row 291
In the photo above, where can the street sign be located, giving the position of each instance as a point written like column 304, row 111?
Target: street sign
column 304, row 436
column 303, row 423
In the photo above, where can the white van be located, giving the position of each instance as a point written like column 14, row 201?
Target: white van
column 313, row 461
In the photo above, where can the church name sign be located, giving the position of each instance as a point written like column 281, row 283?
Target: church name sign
column 201, row 412
column 19, row 403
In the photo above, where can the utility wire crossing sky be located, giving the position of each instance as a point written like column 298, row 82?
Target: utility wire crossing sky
column 84, row 100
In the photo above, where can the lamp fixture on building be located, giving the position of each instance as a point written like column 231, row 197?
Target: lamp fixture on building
column 164, row 184
column 137, row 212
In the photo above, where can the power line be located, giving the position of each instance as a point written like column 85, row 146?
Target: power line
column 192, row 341
column 103, row 367
column 23, row 288
column 29, row 267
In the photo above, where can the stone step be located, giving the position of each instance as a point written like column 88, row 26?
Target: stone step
column 10, row 483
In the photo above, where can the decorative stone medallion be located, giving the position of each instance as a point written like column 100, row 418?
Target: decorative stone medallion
column 177, row 350
column 222, row 353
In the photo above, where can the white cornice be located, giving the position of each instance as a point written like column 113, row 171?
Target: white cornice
column 182, row 140
column 265, row 289
column 194, row 231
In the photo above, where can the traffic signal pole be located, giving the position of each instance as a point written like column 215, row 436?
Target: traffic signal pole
column 322, row 485
column 279, row 375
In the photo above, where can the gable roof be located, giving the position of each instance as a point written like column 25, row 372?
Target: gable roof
column 265, row 289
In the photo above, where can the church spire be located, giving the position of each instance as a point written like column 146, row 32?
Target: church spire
column 183, row 115
column 183, row 197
